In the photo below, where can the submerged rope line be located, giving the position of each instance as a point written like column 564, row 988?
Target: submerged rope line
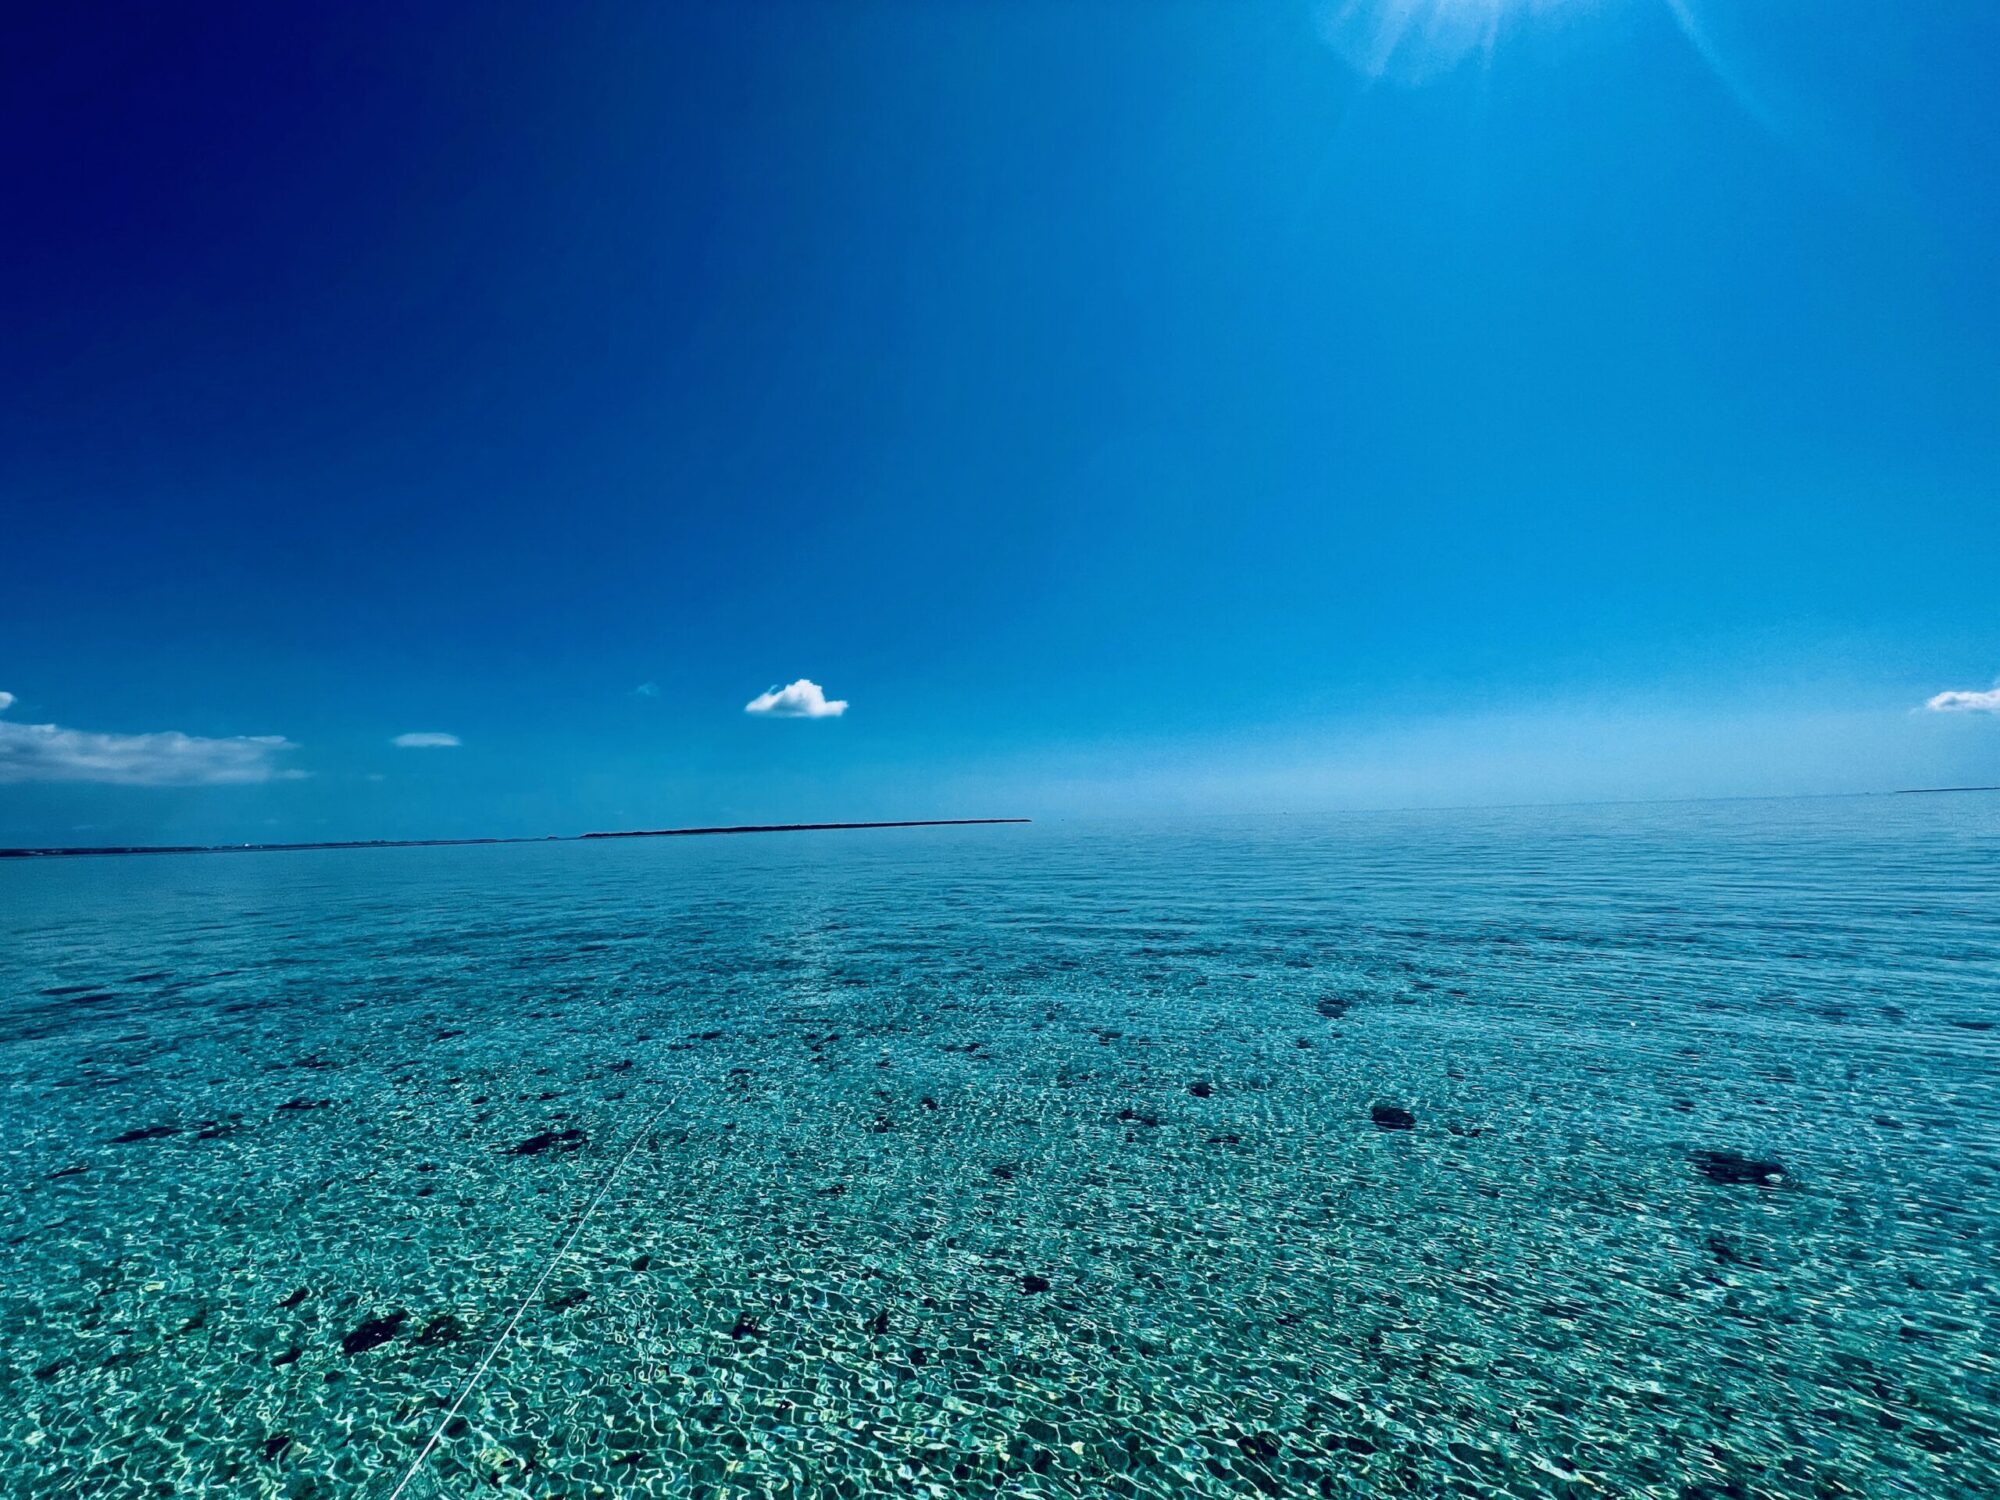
column 451, row 1412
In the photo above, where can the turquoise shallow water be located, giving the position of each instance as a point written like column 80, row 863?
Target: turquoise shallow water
column 1357, row 1156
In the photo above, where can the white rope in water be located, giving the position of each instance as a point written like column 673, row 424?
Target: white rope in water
column 451, row 1413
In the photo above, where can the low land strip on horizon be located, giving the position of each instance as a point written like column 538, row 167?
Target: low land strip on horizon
column 553, row 838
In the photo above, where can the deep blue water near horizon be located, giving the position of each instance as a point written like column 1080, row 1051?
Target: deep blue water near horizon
column 1649, row 1150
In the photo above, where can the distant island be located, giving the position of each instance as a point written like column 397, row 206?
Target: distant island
column 553, row 838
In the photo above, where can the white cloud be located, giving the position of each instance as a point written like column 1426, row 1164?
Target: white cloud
column 801, row 700
column 425, row 740
column 1962, row 702
column 647, row 690
column 48, row 752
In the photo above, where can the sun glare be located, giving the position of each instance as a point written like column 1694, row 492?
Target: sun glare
column 1412, row 40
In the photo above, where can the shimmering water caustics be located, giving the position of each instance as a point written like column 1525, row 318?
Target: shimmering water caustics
column 1628, row 1152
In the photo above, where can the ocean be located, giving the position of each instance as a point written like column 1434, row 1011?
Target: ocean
column 1646, row 1150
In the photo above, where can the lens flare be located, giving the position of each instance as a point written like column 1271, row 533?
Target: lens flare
column 1408, row 41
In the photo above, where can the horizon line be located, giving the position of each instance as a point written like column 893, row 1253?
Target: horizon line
column 79, row 851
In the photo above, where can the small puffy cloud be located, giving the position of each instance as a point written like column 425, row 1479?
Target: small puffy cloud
column 1963, row 702
column 49, row 752
column 646, row 690
column 801, row 700
column 425, row 740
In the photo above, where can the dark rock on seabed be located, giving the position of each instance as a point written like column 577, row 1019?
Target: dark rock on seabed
column 443, row 1329
column 571, row 1139
column 372, row 1333
column 1392, row 1117
column 1728, row 1167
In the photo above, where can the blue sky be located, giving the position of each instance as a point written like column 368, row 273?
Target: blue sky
column 1118, row 407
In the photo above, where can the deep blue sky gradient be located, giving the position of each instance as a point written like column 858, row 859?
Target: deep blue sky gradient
column 1124, row 406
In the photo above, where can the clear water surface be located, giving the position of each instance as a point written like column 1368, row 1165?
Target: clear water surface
column 1618, row 1151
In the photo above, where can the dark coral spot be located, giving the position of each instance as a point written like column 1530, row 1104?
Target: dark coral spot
column 1728, row 1167
column 145, row 1133
column 443, row 1329
column 1392, row 1117
column 571, row 1139
column 375, row 1331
